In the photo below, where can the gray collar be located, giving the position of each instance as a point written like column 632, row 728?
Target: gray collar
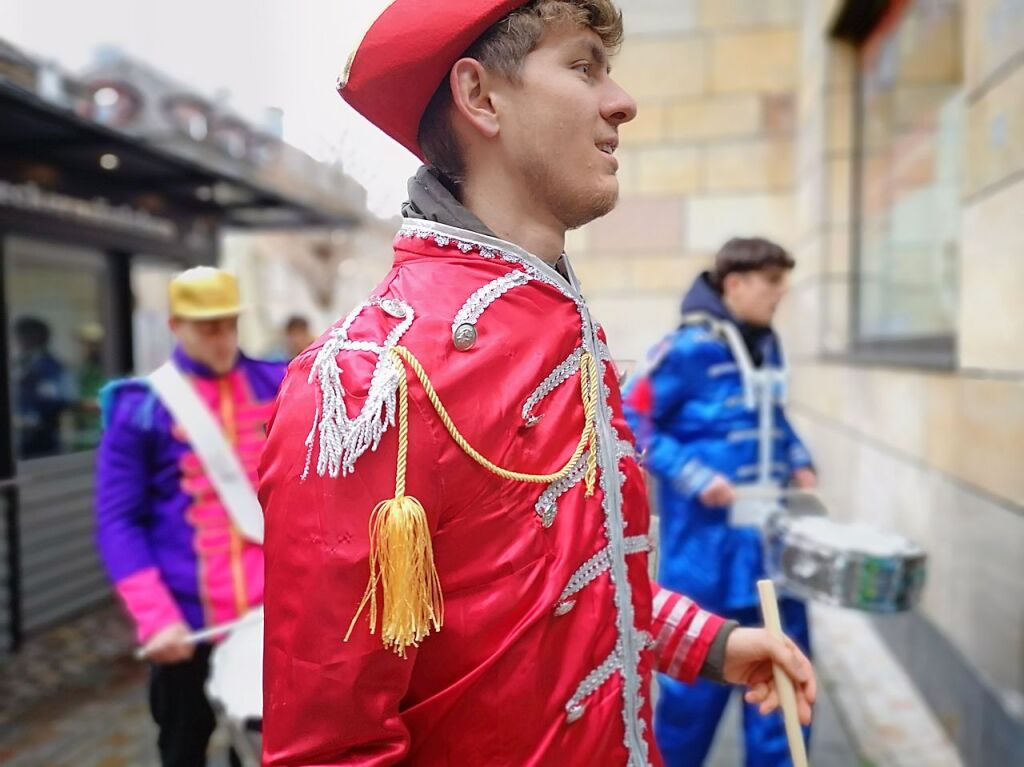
column 431, row 199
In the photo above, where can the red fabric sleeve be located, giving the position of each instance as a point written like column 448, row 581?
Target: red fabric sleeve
column 327, row 701
column 683, row 634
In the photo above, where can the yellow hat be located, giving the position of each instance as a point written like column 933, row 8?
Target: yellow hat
column 91, row 332
column 204, row 293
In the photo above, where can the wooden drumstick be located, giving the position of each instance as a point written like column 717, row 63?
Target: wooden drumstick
column 207, row 633
column 783, row 684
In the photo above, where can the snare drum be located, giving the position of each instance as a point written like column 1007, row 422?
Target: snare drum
column 236, row 671
column 849, row 565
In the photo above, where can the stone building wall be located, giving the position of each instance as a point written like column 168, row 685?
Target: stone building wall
column 747, row 126
column 710, row 155
column 931, row 453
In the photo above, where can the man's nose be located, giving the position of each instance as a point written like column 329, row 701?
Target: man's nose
column 619, row 106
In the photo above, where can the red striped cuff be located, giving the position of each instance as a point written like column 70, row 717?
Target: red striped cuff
column 683, row 634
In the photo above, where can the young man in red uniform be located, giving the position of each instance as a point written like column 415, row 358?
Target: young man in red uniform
column 457, row 527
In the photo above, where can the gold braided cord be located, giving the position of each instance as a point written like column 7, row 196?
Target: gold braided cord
column 588, row 387
column 401, row 555
column 403, row 436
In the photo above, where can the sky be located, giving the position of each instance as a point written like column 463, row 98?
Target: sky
column 261, row 53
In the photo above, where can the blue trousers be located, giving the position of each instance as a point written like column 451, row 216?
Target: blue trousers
column 687, row 715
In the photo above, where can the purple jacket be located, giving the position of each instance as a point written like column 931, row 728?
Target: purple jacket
column 167, row 541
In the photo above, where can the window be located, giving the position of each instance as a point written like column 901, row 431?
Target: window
column 60, row 345
column 152, row 340
column 908, row 181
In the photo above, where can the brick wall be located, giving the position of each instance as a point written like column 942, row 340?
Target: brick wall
column 710, row 155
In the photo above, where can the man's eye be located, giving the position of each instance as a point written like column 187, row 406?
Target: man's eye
column 583, row 67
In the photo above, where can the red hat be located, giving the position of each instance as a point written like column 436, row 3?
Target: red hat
column 407, row 53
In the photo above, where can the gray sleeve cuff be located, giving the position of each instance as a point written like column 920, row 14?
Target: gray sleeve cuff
column 714, row 663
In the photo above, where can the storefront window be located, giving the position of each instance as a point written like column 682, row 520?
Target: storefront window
column 59, row 343
column 151, row 337
column 909, row 178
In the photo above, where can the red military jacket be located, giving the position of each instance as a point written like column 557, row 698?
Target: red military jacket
column 552, row 627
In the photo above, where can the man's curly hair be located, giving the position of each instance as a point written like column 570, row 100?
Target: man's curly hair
column 502, row 48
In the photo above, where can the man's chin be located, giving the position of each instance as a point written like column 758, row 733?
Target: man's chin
column 609, row 197
column 600, row 204
column 223, row 367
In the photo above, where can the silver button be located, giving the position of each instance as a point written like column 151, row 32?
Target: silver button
column 464, row 337
column 575, row 713
column 393, row 307
column 564, row 608
column 533, row 420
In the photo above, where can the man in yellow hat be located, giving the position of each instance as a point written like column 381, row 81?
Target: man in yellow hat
column 178, row 524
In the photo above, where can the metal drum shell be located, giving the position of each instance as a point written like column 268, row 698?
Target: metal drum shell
column 815, row 570
column 235, row 682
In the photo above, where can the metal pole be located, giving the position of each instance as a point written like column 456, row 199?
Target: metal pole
column 14, row 617
column 119, row 356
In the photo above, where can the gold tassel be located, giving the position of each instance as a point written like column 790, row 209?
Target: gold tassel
column 402, row 559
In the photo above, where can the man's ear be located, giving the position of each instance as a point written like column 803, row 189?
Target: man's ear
column 729, row 282
column 471, row 85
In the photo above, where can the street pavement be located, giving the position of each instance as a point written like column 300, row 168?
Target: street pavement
column 75, row 698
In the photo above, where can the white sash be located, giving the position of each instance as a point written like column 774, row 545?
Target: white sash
column 217, row 456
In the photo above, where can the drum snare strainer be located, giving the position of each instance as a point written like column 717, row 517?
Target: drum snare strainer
column 848, row 565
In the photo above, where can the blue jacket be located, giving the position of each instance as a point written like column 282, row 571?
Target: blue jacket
column 686, row 407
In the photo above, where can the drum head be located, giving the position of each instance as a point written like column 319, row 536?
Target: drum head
column 236, row 671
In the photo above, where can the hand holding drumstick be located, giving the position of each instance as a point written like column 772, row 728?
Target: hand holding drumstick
column 778, row 674
column 751, row 655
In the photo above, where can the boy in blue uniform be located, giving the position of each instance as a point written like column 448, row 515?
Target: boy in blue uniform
column 696, row 413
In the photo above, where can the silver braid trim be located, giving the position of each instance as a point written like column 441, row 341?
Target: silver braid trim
column 341, row 440
column 624, row 449
column 611, row 479
column 547, row 505
column 592, row 683
column 425, row 232
column 479, row 302
column 594, row 568
column 566, row 369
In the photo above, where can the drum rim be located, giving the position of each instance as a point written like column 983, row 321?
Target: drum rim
column 908, row 571
column 782, row 526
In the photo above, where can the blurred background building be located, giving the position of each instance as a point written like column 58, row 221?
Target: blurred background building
column 883, row 143
column 111, row 181
column 318, row 276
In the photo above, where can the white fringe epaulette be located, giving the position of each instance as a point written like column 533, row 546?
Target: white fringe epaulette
column 341, row 440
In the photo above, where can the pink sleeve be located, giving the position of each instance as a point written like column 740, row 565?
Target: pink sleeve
column 149, row 602
column 683, row 634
